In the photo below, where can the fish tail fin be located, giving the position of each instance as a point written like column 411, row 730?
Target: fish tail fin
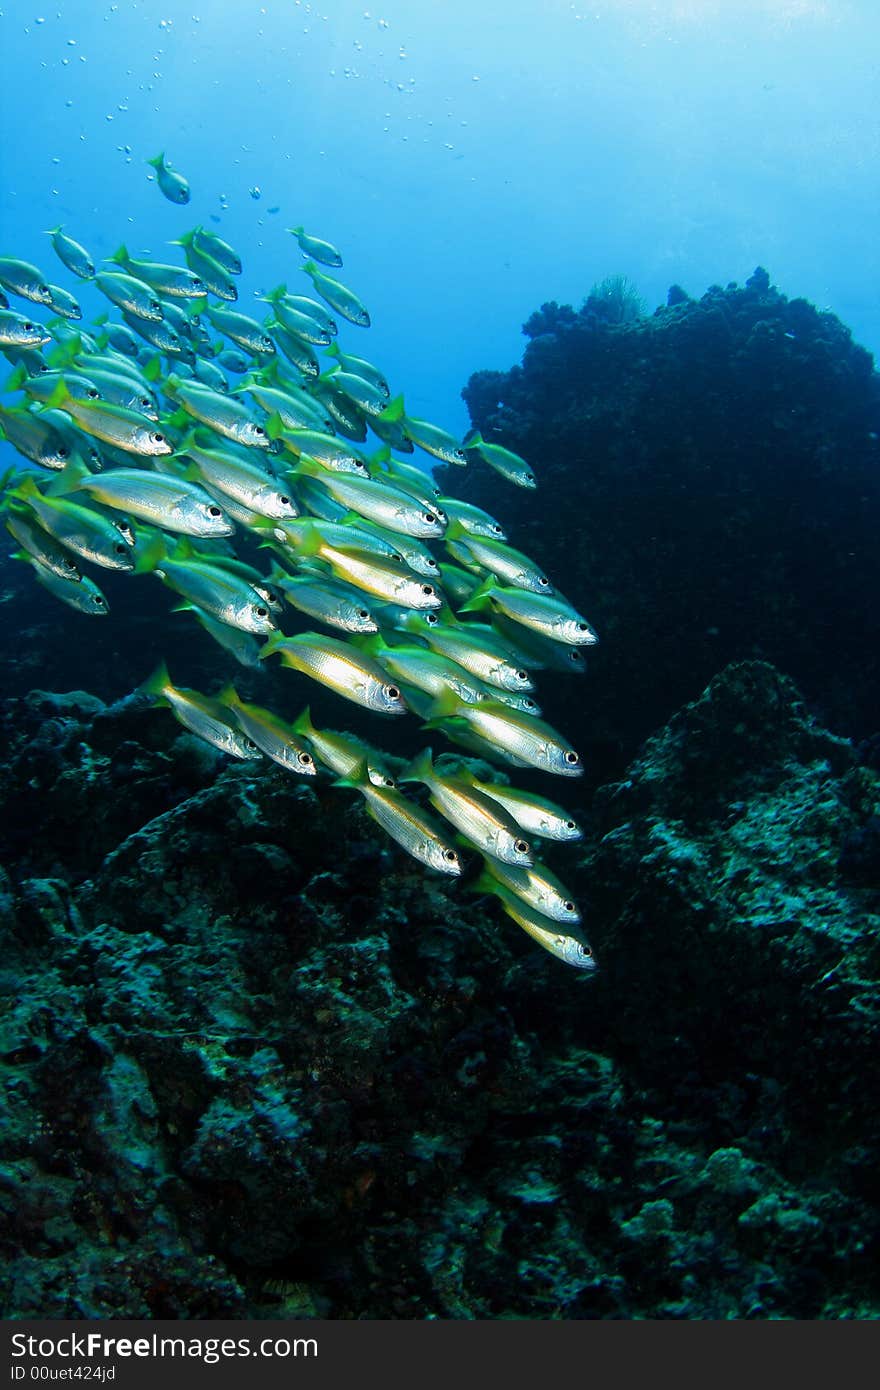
column 310, row 268
column 295, row 231
column 446, row 706
column 156, row 685
column 472, row 440
column 53, row 231
column 272, row 644
column 273, row 296
column 333, row 351
column 357, row 777
column 275, row 426
column 17, row 379
column 153, row 368
column 120, row 255
column 70, row 479
column 152, row 555
column 228, row 696
column 158, row 161
column 394, row 412
column 421, row 769
column 303, row 724
column 26, row 490
column 479, row 599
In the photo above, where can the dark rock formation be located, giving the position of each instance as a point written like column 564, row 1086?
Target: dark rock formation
column 709, row 491
column 258, row 1063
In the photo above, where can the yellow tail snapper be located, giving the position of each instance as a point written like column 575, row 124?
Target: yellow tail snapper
column 504, row 461
column 540, row 889
column 534, row 813
column 84, row 531
column 63, row 303
column 304, row 326
column 210, row 271
column 130, row 294
column 75, row 257
column 360, row 367
column 501, row 560
column 17, row 330
column 207, row 718
column 37, row 437
column 84, row 595
column 564, row 945
column 243, row 330
column 164, row 279
column 485, row 824
column 159, row 498
column 550, row 615
column 434, row 440
column 216, row 590
column 272, row 735
column 328, row 601
column 39, row 544
column 25, row 280
column 414, row 830
column 210, row 244
column 242, row 481
column 325, row 449
column 340, row 298
column 317, row 249
column 173, row 185
column 378, row 502
column 375, row 574
column 225, row 414
column 336, row 665
column 528, row 740
column 112, row 423
column 343, row 753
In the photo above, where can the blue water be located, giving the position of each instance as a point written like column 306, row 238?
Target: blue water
column 471, row 160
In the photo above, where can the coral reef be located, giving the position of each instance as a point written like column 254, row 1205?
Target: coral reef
column 711, row 475
column 257, row 1063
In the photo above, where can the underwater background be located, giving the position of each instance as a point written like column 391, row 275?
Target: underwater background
column 257, row 1061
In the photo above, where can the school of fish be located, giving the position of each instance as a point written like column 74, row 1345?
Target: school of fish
column 179, row 432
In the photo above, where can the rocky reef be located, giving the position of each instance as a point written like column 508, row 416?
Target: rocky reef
column 257, row 1063
column 709, row 492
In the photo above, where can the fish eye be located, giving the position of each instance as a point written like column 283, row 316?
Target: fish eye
column 44, row 289
column 570, row 825
column 70, row 565
column 99, row 599
column 93, row 393
column 498, row 530
column 429, row 560
column 450, row 856
column 261, row 612
column 431, row 618
column 362, row 612
column 154, row 304
column 388, row 782
column 392, row 692
column 62, row 452
column 429, row 517
column 29, row 327
column 214, row 511
column 427, row 589
column 306, row 759
column 569, row 906
column 543, row 581
column 359, row 463
column 522, row 675
column 145, row 401
column 521, row 846
column 121, row 548
column 258, row 429
column 285, row 501
column 582, row 627
column 571, row 756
